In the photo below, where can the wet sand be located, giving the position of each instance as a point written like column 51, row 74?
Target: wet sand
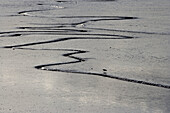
column 84, row 56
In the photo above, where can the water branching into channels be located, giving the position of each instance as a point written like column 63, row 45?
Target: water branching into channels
column 71, row 31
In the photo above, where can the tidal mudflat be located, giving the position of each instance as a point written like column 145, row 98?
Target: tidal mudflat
column 84, row 56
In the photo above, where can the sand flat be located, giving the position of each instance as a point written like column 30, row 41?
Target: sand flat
column 84, row 56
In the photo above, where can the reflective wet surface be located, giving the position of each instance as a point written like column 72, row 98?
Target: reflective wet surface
column 84, row 56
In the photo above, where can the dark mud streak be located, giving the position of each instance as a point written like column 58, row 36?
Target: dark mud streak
column 64, row 39
column 90, row 19
column 78, row 60
column 72, row 32
column 61, row 32
column 53, row 28
column 62, row 1
column 101, row 0
column 46, row 30
column 111, row 17
column 126, row 31
column 21, row 12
